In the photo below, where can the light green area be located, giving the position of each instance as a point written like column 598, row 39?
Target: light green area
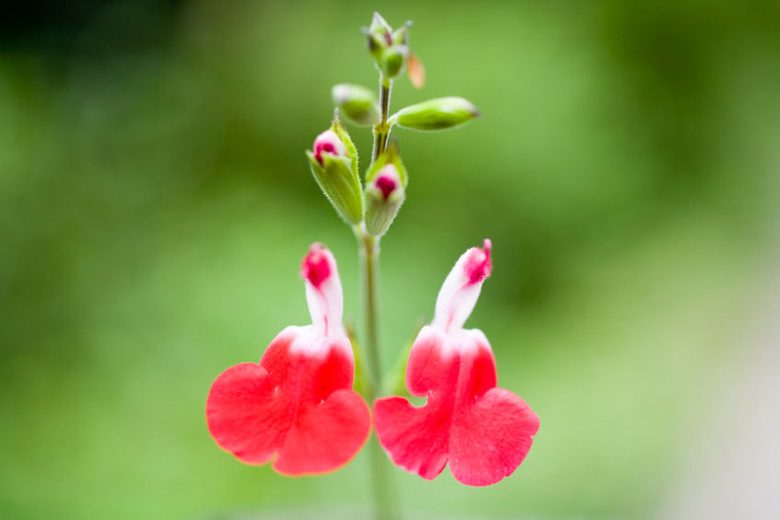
column 155, row 201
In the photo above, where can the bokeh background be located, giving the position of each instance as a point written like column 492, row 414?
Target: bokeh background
column 155, row 202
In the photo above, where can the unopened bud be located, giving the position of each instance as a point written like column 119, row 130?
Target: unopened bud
column 437, row 114
column 389, row 48
column 393, row 60
column 384, row 196
column 333, row 162
column 357, row 103
column 385, row 190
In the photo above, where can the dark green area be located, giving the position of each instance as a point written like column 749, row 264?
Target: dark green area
column 155, row 201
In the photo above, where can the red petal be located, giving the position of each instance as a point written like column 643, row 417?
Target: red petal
column 485, row 432
column 415, row 438
column 484, row 455
column 295, row 405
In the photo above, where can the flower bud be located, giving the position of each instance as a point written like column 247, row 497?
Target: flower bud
column 357, row 103
column 393, row 60
column 333, row 162
column 384, row 196
column 385, row 190
column 437, row 114
column 389, row 48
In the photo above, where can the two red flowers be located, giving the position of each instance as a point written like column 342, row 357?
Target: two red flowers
column 297, row 409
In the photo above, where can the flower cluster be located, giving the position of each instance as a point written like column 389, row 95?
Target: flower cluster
column 297, row 408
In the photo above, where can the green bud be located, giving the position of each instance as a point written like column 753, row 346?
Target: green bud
column 393, row 60
column 386, row 183
column 333, row 163
column 389, row 48
column 357, row 103
column 436, row 114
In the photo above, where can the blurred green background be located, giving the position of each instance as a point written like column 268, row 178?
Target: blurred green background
column 155, row 202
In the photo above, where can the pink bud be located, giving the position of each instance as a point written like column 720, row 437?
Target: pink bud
column 328, row 142
column 387, row 180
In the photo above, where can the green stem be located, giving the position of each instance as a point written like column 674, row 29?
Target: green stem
column 385, row 497
column 369, row 252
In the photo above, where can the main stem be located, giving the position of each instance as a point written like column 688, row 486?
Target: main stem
column 369, row 253
column 385, row 498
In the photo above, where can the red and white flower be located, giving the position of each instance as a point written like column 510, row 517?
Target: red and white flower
column 296, row 407
column 483, row 431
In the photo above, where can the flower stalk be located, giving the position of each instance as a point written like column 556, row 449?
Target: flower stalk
column 298, row 408
column 386, row 500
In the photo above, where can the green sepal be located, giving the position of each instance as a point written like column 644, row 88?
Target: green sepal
column 339, row 184
column 358, row 104
column 376, row 33
column 338, row 177
column 401, row 35
column 347, row 140
column 381, row 212
column 436, row 114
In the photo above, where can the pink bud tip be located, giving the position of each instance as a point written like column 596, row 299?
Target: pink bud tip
column 387, row 180
column 328, row 142
column 478, row 264
column 316, row 266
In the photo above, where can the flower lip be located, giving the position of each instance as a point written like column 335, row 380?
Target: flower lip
column 328, row 142
column 316, row 265
column 479, row 264
column 387, row 180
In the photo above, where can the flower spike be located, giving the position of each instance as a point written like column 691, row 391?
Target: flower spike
column 484, row 431
column 296, row 407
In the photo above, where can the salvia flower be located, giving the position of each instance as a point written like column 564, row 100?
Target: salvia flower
column 296, row 407
column 483, row 431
